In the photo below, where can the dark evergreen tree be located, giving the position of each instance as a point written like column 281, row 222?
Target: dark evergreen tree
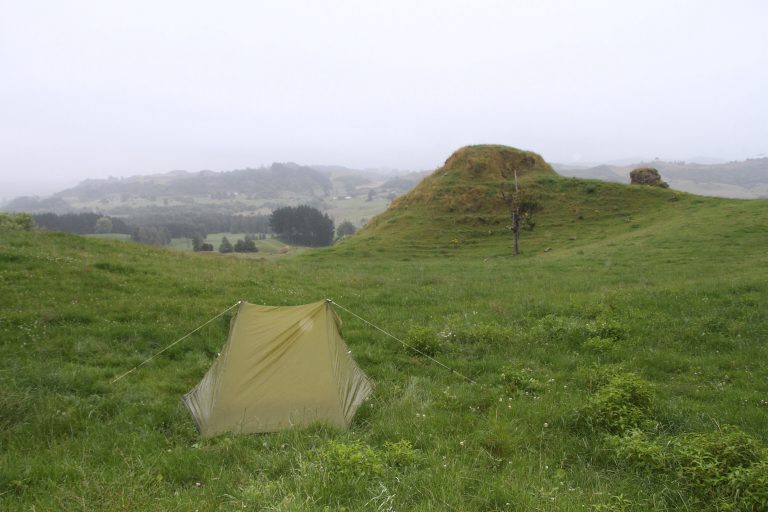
column 302, row 225
column 226, row 246
column 81, row 223
column 345, row 228
column 151, row 235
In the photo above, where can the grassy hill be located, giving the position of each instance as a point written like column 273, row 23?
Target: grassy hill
column 621, row 370
column 460, row 207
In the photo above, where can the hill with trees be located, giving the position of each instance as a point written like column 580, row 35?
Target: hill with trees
column 245, row 191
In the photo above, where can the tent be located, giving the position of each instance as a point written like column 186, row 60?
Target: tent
column 280, row 367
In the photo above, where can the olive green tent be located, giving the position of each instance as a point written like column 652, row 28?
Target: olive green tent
column 280, row 367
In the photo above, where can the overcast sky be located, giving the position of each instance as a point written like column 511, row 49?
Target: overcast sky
column 101, row 88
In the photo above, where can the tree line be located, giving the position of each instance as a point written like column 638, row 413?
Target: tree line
column 176, row 226
column 300, row 225
column 81, row 223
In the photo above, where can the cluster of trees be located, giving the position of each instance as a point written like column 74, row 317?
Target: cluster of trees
column 198, row 245
column 245, row 245
column 190, row 226
column 151, row 235
column 81, row 223
column 16, row 222
column 154, row 227
column 302, row 225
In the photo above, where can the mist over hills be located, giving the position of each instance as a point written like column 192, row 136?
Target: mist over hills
column 249, row 190
column 258, row 190
column 747, row 179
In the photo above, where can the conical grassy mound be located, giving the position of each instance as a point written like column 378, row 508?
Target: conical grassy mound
column 472, row 178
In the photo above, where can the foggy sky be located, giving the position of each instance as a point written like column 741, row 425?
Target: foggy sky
column 98, row 88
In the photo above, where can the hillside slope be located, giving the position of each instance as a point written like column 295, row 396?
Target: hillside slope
column 461, row 204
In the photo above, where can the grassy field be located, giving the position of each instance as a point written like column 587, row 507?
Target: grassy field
column 111, row 236
column 618, row 365
column 269, row 248
column 355, row 209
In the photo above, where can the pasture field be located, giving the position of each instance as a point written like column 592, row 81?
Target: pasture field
column 111, row 236
column 269, row 248
column 618, row 364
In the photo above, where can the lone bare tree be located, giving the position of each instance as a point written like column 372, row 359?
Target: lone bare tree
column 521, row 204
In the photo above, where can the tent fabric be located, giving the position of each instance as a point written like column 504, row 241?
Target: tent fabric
column 280, row 367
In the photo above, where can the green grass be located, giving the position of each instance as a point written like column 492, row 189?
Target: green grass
column 649, row 312
column 111, row 236
column 269, row 248
column 357, row 210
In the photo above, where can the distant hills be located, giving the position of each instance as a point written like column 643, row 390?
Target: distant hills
column 260, row 190
column 240, row 191
column 747, row 179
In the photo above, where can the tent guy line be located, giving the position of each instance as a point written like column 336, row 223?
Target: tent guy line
column 331, row 301
column 190, row 333
column 403, row 343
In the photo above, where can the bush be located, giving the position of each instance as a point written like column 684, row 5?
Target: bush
column 600, row 345
column 722, row 470
column 574, row 330
column 16, row 222
column 519, row 381
column 620, row 405
column 399, row 454
column 346, row 228
column 481, row 333
column 355, row 460
column 423, row 341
